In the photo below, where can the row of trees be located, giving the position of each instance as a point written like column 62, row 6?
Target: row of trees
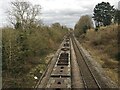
column 104, row 14
column 27, row 44
column 22, row 50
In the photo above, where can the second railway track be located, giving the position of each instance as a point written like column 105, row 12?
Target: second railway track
column 87, row 75
column 69, row 67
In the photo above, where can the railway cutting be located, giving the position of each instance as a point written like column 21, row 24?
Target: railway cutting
column 69, row 69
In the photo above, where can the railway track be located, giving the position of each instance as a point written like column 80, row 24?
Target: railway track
column 88, row 77
column 69, row 67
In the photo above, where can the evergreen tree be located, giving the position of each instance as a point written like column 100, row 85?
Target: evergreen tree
column 103, row 13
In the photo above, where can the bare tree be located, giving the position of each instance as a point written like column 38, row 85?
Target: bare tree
column 23, row 14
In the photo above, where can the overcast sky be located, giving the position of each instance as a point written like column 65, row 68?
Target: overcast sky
column 66, row 12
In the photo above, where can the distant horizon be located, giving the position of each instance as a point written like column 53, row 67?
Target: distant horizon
column 65, row 12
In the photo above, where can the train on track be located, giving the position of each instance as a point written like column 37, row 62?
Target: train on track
column 61, row 74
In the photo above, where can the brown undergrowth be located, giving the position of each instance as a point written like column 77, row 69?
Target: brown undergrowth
column 103, row 46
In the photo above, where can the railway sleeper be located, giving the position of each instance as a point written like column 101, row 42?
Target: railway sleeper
column 65, row 49
column 67, row 40
column 61, row 70
column 63, row 55
column 63, row 58
column 63, row 61
column 60, row 76
column 63, row 82
column 61, row 64
column 66, row 45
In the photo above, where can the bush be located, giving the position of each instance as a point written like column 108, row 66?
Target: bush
column 22, row 47
column 104, row 40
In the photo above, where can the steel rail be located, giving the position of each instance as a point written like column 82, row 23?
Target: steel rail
column 80, row 51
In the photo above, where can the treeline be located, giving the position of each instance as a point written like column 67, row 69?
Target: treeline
column 23, row 50
column 103, row 15
column 25, row 46
column 99, row 34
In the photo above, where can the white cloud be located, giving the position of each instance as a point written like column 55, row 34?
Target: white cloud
column 64, row 11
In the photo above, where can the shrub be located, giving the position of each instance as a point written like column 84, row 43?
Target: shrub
column 21, row 48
